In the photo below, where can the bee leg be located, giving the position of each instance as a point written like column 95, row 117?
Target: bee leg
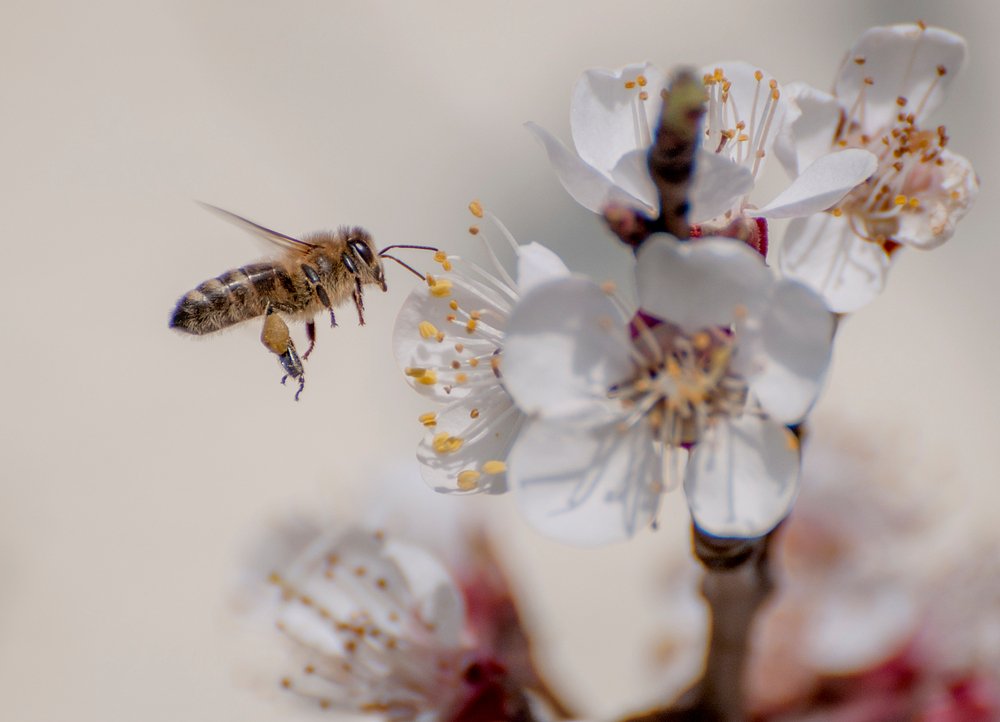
column 311, row 335
column 359, row 303
column 278, row 341
column 333, row 319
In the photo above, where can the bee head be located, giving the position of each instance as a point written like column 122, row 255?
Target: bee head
column 362, row 259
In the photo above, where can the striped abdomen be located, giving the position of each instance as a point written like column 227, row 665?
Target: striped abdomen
column 236, row 296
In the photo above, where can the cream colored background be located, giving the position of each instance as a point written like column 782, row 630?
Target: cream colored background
column 137, row 463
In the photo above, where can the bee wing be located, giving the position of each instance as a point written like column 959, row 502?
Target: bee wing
column 279, row 239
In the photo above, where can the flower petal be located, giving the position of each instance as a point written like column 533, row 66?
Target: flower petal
column 415, row 352
column 586, row 486
column 825, row 254
column 823, row 184
column 707, row 282
column 810, row 125
column 438, row 602
column 589, row 187
column 537, row 264
column 953, row 188
column 742, row 477
column 902, row 61
column 796, row 337
column 566, row 345
column 717, row 185
column 479, row 429
column 609, row 120
column 631, row 174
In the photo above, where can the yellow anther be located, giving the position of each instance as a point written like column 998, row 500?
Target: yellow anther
column 477, row 209
column 440, row 257
column 900, row 200
column 470, row 327
column 468, row 480
column 609, row 287
column 445, row 443
column 474, row 413
column 837, row 213
column 459, row 347
column 441, row 288
column 456, row 365
column 707, row 79
column 446, row 265
column 775, row 94
column 494, row 467
column 641, row 80
column 451, row 317
column 773, row 84
column 860, row 60
column 429, row 420
column 473, row 361
column 759, row 76
column 701, row 341
column 730, row 134
column 440, row 336
column 473, row 230
column 868, row 80
column 718, row 75
column 744, row 137
column 914, row 202
column 427, row 377
column 453, row 304
column 461, row 378
column 741, row 125
column 643, row 95
column 901, row 101
column 430, row 280
column 630, row 84
column 941, row 70
column 477, row 315
column 427, row 329
column 922, row 24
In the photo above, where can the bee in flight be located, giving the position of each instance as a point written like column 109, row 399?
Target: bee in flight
column 320, row 272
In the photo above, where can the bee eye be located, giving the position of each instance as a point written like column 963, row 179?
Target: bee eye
column 363, row 251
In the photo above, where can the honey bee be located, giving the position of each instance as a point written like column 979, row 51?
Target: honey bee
column 320, row 272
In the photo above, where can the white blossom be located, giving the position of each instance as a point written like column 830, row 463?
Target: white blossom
column 893, row 79
column 614, row 116
column 720, row 359
column 448, row 340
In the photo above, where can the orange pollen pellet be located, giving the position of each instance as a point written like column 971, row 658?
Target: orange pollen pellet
column 477, row 209
column 473, row 230
column 641, row 80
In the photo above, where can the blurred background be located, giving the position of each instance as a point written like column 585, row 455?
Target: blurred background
column 137, row 464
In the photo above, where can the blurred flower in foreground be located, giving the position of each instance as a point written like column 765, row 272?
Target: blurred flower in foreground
column 611, row 117
column 894, row 78
column 448, row 340
column 871, row 622
column 377, row 626
column 719, row 359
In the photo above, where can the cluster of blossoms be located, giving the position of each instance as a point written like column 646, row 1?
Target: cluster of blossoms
column 588, row 411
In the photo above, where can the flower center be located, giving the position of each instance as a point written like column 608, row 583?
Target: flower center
column 682, row 383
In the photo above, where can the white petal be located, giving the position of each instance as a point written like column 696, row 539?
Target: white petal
column 902, row 60
column 741, row 95
column 438, row 601
column 537, row 264
column 413, row 351
column 796, row 336
column 586, row 486
column 825, row 254
column 700, row 283
column 742, row 477
column 632, row 175
column 822, row 184
column 589, row 187
column 717, row 186
column 953, row 188
column 487, row 425
column 566, row 344
column 608, row 120
column 810, row 124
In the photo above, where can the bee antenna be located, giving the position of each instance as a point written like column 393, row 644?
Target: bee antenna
column 419, row 248
column 383, row 254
